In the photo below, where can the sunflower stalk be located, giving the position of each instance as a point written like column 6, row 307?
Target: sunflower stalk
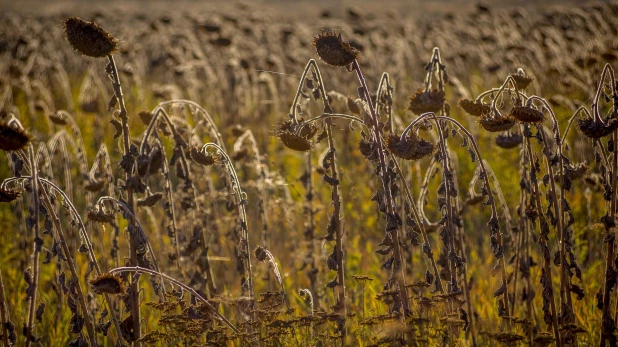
column 4, row 315
column 112, row 70
column 37, row 244
column 494, row 225
column 548, row 290
column 397, row 269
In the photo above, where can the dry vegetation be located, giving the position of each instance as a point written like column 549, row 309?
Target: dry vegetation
column 443, row 180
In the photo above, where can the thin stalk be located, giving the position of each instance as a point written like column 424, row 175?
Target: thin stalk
column 467, row 295
column 71, row 264
column 435, row 62
column 310, row 234
column 242, row 201
column 340, row 305
column 36, row 246
column 485, row 175
column 398, row 270
column 134, row 288
column 421, row 224
column 325, row 116
column 84, row 235
column 213, row 311
column 385, row 81
column 342, row 309
column 565, row 287
column 4, row 314
column 311, row 63
column 611, row 247
column 543, row 242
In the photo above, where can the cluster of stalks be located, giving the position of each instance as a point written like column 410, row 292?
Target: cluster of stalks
column 170, row 202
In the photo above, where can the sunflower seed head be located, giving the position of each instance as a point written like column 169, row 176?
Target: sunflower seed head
column 108, row 284
column 595, row 129
column 89, row 39
column 333, row 50
column 427, row 101
column 411, row 147
column 474, row 108
column 526, row 114
column 496, row 123
column 12, row 137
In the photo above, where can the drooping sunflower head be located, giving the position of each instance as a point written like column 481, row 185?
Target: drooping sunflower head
column 9, row 195
column 474, row 108
column 412, row 147
column 427, row 101
column 108, row 284
column 596, row 129
column 527, row 114
column 88, row 38
column 333, row 50
column 508, row 141
column 521, row 81
column 203, row 158
column 13, row 137
column 496, row 123
column 294, row 137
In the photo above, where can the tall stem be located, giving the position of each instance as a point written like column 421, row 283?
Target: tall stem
column 37, row 243
column 4, row 314
column 134, row 289
column 543, row 242
column 398, row 270
column 310, row 234
column 71, row 264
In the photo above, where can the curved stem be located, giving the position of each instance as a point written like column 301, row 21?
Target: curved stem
column 508, row 80
column 84, row 235
column 71, row 264
column 421, row 224
column 309, row 65
column 565, row 287
column 595, row 104
column 384, row 80
column 398, row 271
column 543, row 242
column 340, row 304
column 215, row 133
column 566, row 131
column 242, row 201
column 485, row 175
column 212, row 310
column 481, row 96
column 325, row 116
column 126, row 210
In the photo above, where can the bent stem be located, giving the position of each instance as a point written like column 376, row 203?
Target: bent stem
column 242, row 202
column 80, row 226
column 543, row 240
column 565, row 287
column 213, row 311
column 398, row 271
column 337, row 217
column 421, row 224
column 493, row 223
column 71, row 264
